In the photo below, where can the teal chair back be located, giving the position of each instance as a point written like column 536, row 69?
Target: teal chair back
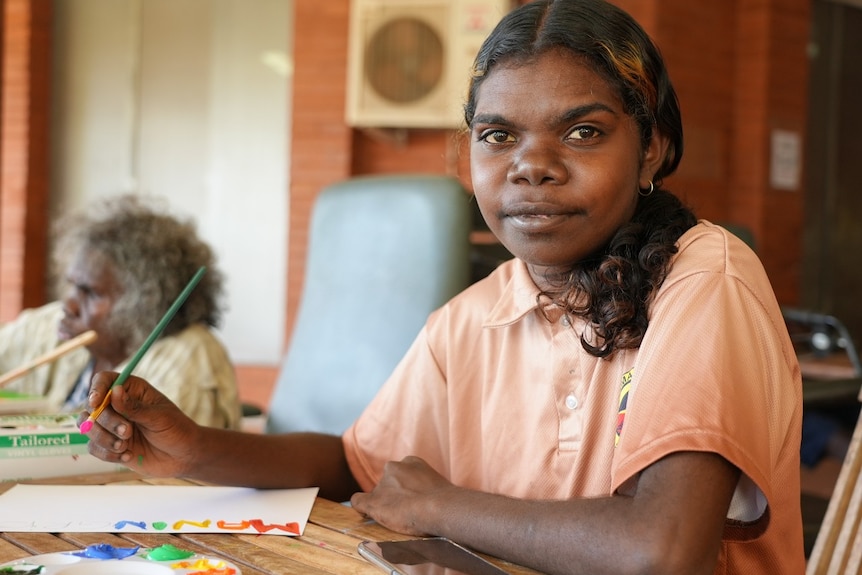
column 383, row 253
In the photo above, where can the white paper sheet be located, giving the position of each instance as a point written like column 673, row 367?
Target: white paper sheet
column 155, row 509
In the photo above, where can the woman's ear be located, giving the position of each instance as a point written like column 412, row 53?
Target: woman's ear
column 654, row 155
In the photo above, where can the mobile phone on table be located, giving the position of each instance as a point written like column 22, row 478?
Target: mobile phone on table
column 426, row 556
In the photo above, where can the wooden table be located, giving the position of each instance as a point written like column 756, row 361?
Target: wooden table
column 831, row 379
column 328, row 545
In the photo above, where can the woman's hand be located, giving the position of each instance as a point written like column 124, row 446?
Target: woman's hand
column 404, row 499
column 140, row 428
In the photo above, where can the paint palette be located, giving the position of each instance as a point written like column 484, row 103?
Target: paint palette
column 139, row 562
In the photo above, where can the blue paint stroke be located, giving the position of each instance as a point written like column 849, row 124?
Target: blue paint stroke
column 106, row 551
column 139, row 524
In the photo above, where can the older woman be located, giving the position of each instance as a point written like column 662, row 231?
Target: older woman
column 122, row 263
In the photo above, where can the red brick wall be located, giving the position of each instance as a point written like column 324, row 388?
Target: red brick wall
column 739, row 66
column 740, row 70
column 24, row 159
column 320, row 142
column 772, row 93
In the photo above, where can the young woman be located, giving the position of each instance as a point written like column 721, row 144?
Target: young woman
column 621, row 397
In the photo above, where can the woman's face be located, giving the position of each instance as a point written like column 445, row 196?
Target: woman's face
column 556, row 162
column 88, row 302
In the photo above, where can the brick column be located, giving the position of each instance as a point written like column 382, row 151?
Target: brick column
column 321, row 141
column 24, row 153
column 770, row 93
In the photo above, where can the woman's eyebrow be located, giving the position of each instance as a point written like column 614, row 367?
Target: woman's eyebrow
column 569, row 115
column 490, row 119
column 578, row 112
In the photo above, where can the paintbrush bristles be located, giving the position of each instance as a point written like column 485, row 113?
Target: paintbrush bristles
column 88, row 423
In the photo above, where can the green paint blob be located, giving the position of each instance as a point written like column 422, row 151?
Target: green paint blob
column 168, row 553
column 159, row 525
column 23, row 569
column 140, row 460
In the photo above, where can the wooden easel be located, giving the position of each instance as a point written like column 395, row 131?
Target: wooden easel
column 838, row 547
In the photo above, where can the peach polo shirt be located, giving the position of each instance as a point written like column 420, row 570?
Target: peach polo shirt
column 498, row 396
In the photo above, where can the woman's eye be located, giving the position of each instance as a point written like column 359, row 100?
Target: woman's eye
column 583, row 133
column 497, row 137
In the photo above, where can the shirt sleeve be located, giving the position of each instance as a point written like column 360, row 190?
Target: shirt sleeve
column 715, row 373
column 408, row 416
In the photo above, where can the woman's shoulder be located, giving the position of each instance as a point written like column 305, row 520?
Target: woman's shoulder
column 197, row 338
column 709, row 247
column 710, row 255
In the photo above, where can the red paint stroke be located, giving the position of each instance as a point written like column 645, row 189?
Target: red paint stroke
column 234, row 526
column 182, row 522
column 292, row 527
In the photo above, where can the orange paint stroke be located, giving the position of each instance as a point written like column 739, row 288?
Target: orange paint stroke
column 222, row 524
column 182, row 522
column 292, row 527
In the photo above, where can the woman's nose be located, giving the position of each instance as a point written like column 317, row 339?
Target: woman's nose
column 538, row 163
column 70, row 303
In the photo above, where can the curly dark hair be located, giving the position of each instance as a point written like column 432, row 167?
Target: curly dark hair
column 153, row 256
column 613, row 289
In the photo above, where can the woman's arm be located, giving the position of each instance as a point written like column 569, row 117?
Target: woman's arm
column 156, row 438
column 671, row 523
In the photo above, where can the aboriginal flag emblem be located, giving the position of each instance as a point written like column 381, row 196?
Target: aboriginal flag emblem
column 621, row 409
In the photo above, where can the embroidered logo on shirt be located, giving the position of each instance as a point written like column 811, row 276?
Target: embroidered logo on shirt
column 624, row 400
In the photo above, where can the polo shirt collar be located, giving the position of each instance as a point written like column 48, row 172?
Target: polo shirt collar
column 518, row 298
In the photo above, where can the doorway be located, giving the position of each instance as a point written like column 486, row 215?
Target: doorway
column 832, row 242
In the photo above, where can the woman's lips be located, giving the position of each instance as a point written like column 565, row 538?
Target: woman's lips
column 64, row 331
column 536, row 220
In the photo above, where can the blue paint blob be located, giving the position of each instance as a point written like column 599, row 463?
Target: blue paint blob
column 105, row 551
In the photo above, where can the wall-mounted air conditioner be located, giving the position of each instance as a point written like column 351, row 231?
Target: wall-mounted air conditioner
column 409, row 61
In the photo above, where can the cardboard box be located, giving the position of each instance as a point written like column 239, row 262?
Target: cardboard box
column 39, row 446
column 16, row 403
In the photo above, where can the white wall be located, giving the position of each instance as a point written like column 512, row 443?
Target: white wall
column 188, row 100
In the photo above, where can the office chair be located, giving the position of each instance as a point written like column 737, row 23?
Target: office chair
column 383, row 253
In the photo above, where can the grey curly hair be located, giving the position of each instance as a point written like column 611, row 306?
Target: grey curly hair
column 153, row 255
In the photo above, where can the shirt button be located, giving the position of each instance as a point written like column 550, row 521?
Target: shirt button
column 565, row 321
column 571, row 401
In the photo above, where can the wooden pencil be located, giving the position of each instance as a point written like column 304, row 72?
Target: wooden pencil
column 85, row 338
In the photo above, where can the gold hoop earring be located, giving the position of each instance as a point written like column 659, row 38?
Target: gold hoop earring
column 648, row 192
